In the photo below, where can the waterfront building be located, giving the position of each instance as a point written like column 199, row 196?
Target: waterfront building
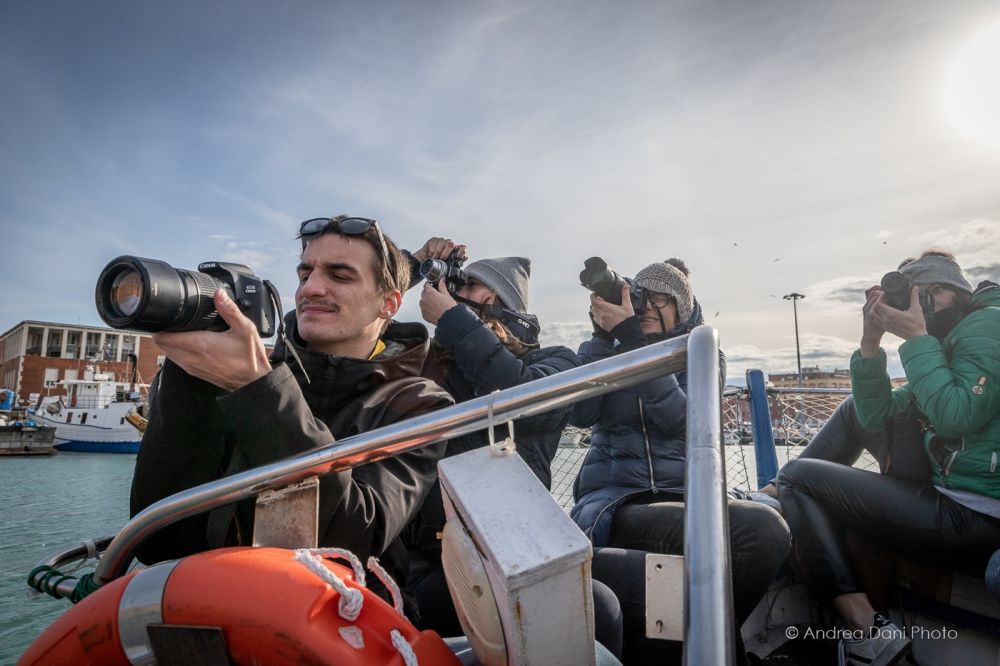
column 35, row 355
column 813, row 377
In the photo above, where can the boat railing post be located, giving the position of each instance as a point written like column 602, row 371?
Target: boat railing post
column 763, row 434
column 604, row 376
column 708, row 594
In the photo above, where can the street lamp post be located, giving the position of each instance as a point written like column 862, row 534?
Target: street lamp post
column 793, row 297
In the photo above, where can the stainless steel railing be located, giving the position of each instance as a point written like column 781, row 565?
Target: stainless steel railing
column 708, row 594
column 525, row 400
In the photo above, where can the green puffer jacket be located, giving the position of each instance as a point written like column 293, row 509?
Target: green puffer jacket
column 956, row 383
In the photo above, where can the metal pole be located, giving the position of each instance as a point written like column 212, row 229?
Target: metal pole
column 763, row 433
column 708, row 592
column 527, row 399
column 794, row 298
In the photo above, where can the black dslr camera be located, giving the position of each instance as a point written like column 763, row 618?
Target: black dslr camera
column 151, row 295
column 897, row 288
column 450, row 270
column 598, row 277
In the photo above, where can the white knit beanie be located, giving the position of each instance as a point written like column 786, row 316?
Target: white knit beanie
column 666, row 279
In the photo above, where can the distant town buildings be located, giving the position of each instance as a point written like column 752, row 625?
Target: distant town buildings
column 813, row 377
column 34, row 355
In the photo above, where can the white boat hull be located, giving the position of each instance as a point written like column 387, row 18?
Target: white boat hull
column 99, row 430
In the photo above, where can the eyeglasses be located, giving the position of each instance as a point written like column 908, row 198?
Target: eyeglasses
column 349, row 226
column 659, row 300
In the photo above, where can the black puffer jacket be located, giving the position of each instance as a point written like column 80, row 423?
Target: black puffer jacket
column 198, row 433
column 638, row 435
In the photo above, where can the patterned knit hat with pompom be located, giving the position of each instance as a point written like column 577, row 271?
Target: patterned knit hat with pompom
column 666, row 279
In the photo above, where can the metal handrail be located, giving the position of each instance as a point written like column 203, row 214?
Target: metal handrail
column 528, row 399
column 708, row 594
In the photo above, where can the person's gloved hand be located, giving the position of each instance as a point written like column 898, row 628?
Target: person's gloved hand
column 598, row 331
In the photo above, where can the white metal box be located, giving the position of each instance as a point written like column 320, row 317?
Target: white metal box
column 536, row 559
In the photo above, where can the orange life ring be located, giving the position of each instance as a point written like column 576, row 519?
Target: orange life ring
column 270, row 610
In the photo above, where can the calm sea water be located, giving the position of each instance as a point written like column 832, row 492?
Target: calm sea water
column 48, row 503
column 51, row 502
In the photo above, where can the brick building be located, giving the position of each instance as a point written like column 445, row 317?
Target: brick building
column 34, row 355
column 812, row 378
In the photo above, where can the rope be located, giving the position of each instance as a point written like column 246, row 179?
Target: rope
column 390, row 584
column 49, row 581
column 344, row 554
column 85, row 586
column 351, row 599
column 507, row 446
column 404, row 648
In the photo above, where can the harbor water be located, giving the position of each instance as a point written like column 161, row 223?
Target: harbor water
column 49, row 503
column 53, row 502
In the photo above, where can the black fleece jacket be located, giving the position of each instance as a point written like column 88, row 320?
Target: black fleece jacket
column 198, row 433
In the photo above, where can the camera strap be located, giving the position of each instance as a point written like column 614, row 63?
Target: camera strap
column 905, row 457
column 524, row 326
column 272, row 291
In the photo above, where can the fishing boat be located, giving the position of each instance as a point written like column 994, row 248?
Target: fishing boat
column 96, row 414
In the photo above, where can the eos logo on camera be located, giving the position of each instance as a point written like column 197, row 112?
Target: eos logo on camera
column 251, row 289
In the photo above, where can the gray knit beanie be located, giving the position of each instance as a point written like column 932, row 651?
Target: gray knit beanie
column 666, row 279
column 507, row 277
column 935, row 269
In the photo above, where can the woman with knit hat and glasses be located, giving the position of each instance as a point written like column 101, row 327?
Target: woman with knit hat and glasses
column 630, row 489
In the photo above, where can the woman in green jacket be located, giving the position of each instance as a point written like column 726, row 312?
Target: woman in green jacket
column 951, row 356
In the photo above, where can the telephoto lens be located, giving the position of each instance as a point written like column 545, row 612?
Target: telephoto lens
column 897, row 288
column 151, row 295
column 598, row 277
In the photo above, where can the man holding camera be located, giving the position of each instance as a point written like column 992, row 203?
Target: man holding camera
column 949, row 515
column 220, row 405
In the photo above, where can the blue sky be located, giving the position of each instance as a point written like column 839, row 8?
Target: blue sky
column 775, row 146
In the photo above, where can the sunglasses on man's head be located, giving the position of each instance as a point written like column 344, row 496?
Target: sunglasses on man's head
column 349, row 226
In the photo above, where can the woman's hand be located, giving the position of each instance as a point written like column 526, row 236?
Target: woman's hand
column 435, row 301
column 871, row 330
column 440, row 248
column 608, row 315
column 881, row 318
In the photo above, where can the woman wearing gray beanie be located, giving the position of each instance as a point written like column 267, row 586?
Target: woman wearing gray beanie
column 630, row 489
column 485, row 340
column 937, row 440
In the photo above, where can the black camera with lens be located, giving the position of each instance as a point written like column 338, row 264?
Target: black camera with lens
column 449, row 270
column 151, row 295
column 599, row 278
column 897, row 287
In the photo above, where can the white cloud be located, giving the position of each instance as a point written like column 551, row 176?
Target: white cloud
column 975, row 244
column 566, row 333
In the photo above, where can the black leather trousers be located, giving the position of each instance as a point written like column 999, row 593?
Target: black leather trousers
column 824, row 500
